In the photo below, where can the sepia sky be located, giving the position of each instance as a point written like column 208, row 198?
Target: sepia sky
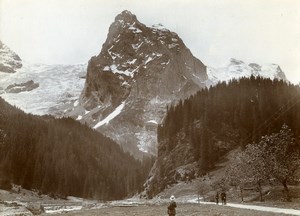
column 71, row 31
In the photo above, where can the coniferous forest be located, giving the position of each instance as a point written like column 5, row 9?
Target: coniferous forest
column 62, row 156
column 228, row 115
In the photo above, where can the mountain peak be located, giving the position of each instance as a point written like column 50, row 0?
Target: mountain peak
column 237, row 69
column 9, row 60
column 138, row 72
column 126, row 16
column 234, row 61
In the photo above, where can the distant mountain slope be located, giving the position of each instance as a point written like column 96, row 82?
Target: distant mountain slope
column 236, row 69
column 197, row 132
column 9, row 60
column 65, row 157
column 56, row 87
column 138, row 72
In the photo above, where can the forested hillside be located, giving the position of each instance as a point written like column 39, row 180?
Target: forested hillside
column 63, row 156
column 203, row 128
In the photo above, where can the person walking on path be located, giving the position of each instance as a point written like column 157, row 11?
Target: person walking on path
column 223, row 198
column 172, row 206
column 217, row 198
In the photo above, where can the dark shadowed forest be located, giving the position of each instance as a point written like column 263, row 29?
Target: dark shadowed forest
column 62, row 156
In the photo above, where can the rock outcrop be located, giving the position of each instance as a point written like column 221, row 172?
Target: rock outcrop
column 17, row 88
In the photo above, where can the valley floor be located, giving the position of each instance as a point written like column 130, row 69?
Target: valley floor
column 186, row 206
column 186, row 210
column 26, row 202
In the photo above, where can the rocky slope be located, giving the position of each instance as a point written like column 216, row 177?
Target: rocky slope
column 138, row 72
column 9, row 60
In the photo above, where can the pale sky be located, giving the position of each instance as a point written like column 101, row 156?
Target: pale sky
column 71, row 31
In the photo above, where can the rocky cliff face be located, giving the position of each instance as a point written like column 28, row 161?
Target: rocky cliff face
column 171, row 167
column 138, row 72
column 9, row 60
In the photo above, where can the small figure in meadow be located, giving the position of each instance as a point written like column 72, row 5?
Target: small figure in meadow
column 172, row 206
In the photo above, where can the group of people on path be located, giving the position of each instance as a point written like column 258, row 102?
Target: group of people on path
column 223, row 198
column 172, row 205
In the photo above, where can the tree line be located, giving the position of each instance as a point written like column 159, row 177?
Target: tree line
column 65, row 157
column 230, row 115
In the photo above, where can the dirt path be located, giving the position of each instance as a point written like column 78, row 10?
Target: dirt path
column 263, row 208
column 182, row 210
column 268, row 209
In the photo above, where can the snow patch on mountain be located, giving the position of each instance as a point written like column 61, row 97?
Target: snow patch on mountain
column 159, row 27
column 114, row 69
column 152, row 121
column 135, row 29
column 111, row 116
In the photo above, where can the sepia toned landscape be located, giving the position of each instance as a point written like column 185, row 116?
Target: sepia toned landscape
column 120, row 108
